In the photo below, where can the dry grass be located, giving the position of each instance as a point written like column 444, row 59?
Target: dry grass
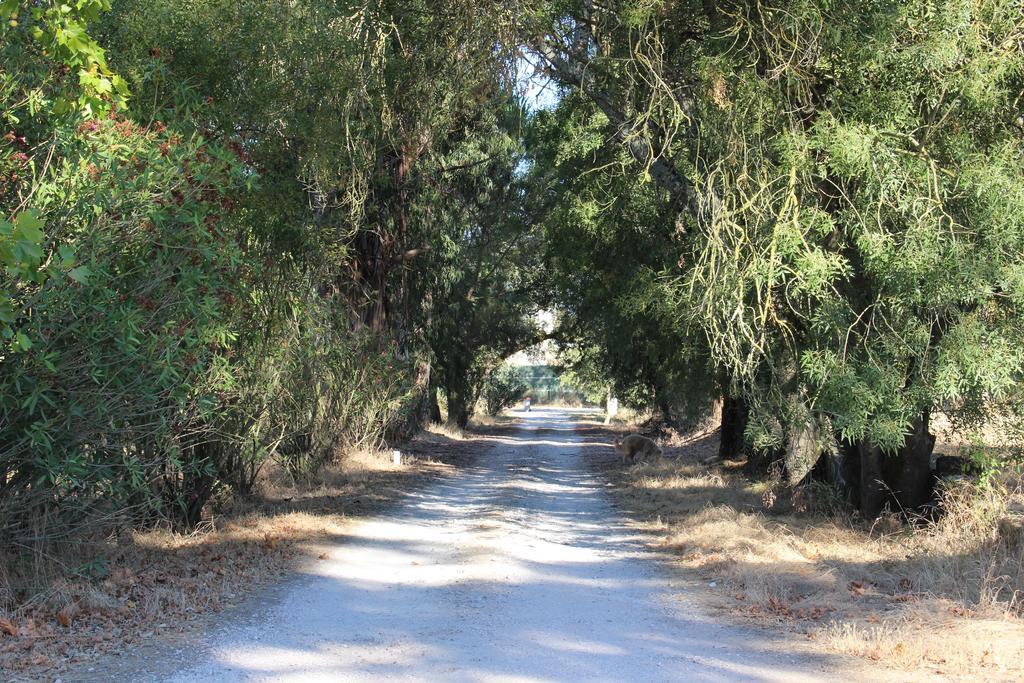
column 957, row 648
column 480, row 422
column 144, row 585
column 941, row 597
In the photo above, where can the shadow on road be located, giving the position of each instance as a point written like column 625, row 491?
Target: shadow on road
column 515, row 568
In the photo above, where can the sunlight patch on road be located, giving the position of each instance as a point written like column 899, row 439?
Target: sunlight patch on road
column 558, row 641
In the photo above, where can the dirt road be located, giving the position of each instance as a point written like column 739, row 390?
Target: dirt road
column 516, row 569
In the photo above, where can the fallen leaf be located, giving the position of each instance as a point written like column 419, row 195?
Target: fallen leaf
column 7, row 627
column 322, row 556
column 63, row 619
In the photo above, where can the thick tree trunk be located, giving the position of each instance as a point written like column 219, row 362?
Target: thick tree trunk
column 460, row 386
column 460, row 404
column 803, row 451
column 914, row 482
column 873, row 491
column 458, row 410
column 611, row 406
column 434, row 407
column 734, row 423
column 803, row 442
column 847, row 472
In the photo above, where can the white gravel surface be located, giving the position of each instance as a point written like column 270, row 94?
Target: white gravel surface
column 515, row 569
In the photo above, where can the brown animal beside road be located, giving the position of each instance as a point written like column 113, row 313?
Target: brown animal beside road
column 634, row 445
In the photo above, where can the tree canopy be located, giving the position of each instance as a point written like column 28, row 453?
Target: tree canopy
column 242, row 232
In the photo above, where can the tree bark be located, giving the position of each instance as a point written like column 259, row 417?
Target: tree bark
column 848, row 472
column 873, row 491
column 460, row 400
column 914, row 482
column 734, row 423
column 803, row 451
column 434, row 408
column 458, row 409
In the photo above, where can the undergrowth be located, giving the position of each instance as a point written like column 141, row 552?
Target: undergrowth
column 944, row 595
column 105, row 592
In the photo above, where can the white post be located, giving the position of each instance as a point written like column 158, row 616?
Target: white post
column 396, row 457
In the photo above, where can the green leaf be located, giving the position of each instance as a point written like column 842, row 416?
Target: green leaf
column 80, row 274
column 21, row 342
column 120, row 85
column 67, row 254
column 29, row 226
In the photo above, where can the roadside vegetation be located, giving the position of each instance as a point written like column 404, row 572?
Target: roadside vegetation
column 940, row 596
column 251, row 236
column 155, row 585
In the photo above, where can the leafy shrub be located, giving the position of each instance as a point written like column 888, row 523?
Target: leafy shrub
column 333, row 390
column 162, row 336
column 109, row 384
column 502, row 388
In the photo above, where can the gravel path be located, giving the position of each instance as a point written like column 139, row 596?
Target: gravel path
column 516, row 569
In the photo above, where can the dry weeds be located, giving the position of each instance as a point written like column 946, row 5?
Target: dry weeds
column 129, row 590
column 942, row 598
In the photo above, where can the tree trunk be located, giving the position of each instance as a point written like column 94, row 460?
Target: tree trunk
column 434, row 408
column 610, row 408
column 460, row 406
column 914, row 481
column 458, row 411
column 872, row 481
column 803, row 442
column 847, row 472
column 666, row 413
column 803, row 451
column 734, row 423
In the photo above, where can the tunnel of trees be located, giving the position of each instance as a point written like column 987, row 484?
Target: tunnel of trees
column 237, row 231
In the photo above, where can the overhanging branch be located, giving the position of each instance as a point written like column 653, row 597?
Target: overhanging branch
column 573, row 73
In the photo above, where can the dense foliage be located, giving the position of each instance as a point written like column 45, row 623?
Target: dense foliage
column 849, row 180
column 241, row 232
column 480, row 290
column 221, row 245
column 503, row 388
column 610, row 242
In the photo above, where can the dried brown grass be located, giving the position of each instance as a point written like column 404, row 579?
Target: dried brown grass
column 941, row 597
column 125, row 590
